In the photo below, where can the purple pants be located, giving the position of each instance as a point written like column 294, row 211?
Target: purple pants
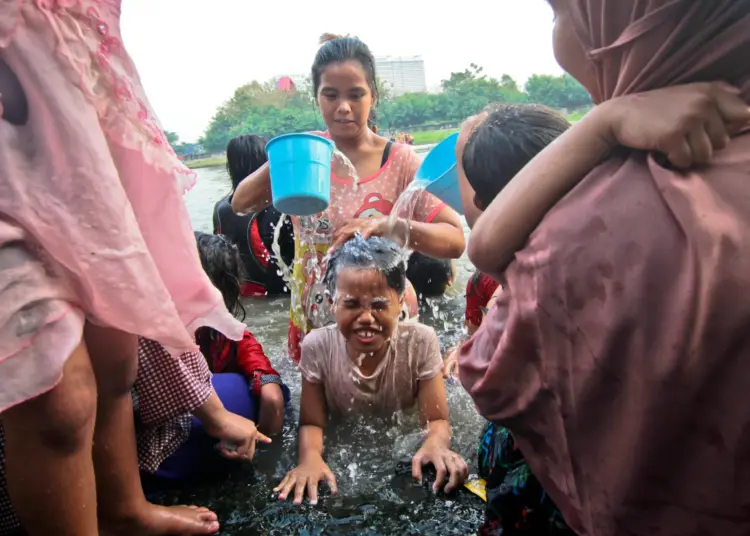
column 198, row 455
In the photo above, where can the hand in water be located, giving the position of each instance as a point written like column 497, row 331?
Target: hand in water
column 686, row 123
column 450, row 365
column 306, row 477
column 367, row 227
column 237, row 434
column 447, row 464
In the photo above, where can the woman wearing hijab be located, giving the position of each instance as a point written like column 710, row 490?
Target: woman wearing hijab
column 619, row 353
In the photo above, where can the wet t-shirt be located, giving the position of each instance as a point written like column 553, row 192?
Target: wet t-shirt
column 413, row 356
column 369, row 197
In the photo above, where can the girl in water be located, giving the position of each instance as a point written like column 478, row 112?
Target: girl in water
column 621, row 340
column 96, row 248
column 344, row 81
column 242, row 371
column 370, row 364
column 254, row 233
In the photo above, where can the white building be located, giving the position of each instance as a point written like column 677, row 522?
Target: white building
column 404, row 74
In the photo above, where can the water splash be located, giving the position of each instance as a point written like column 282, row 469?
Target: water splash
column 402, row 214
column 343, row 167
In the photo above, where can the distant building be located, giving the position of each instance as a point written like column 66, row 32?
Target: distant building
column 404, row 74
column 285, row 83
column 292, row 81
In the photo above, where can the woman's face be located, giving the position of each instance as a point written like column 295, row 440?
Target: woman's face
column 345, row 99
column 568, row 49
column 367, row 309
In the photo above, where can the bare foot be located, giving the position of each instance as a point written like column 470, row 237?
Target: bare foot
column 155, row 520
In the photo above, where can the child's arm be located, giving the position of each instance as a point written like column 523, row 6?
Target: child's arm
column 237, row 434
column 311, row 468
column 686, row 123
column 433, row 412
column 253, row 194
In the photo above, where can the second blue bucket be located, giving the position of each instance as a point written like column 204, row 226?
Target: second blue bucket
column 439, row 170
column 300, row 166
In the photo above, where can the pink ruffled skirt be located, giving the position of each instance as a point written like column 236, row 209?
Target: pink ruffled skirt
column 92, row 221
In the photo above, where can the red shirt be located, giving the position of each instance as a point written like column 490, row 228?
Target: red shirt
column 479, row 290
column 245, row 357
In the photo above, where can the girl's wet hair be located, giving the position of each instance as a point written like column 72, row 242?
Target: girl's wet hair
column 245, row 154
column 339, row 49
column 222, row 263
column 374, row 253
column 509, row 138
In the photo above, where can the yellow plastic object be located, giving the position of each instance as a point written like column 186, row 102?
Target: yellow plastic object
column 477, row 487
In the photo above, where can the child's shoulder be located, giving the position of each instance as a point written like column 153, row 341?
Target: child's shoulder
column 416, row 332
column 321, row 337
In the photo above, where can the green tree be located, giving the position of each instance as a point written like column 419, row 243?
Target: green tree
column 557, row 91
column 172, row 137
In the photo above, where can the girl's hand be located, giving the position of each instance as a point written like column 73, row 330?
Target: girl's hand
column 687, row 123
column 237, row 434
column 446, row 462
column 306, row 476
column 367, row 227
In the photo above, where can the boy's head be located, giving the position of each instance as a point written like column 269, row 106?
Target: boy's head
column 496, row 144
column 366, row 279
column 245, row 154
column 429, row 276
column 222, row 263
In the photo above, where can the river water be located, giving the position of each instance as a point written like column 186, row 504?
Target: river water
column 374, row 498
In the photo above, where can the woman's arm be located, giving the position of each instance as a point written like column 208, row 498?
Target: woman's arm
column 254, row 192
column 442, row 238
column 686, row 123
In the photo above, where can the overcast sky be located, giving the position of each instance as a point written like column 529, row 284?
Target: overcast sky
column 191, row 57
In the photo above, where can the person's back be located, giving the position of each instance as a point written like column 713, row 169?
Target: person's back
column 255, row 233
column 625, row 323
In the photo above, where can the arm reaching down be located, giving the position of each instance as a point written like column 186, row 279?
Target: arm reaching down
column 436, row 449
column 311, row 468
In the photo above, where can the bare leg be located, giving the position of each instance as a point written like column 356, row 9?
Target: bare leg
column 123, row 508
column 49, row 471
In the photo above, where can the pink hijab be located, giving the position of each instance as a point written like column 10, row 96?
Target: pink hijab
column 619, row 353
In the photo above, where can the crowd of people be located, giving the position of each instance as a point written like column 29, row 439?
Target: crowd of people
column 606, row 325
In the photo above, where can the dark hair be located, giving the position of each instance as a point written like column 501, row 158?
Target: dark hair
column 339, row 49
column 222, row 263
column 430, row 276
column 375, row 253
column 509, row 138
column 245, row 154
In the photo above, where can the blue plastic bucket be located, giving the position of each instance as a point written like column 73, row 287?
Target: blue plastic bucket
column 300, row 166
column 439, row 170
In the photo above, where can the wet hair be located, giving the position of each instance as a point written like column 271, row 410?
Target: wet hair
column 245, row 154
column 429, row 276
column 222, row 263
column 339, row 49
column 509, row 138
column 374, row 253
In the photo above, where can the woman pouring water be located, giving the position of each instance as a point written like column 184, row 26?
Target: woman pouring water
column 362, row 198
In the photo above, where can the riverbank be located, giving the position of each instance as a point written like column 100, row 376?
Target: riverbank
column 422, row 141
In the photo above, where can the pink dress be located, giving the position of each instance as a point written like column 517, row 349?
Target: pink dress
column 92, row 222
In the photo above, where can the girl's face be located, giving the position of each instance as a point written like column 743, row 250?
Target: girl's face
column 568, row 49
column 367, row 309
column 345, row 99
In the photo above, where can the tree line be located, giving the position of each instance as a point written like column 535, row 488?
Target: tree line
column 260, row 108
